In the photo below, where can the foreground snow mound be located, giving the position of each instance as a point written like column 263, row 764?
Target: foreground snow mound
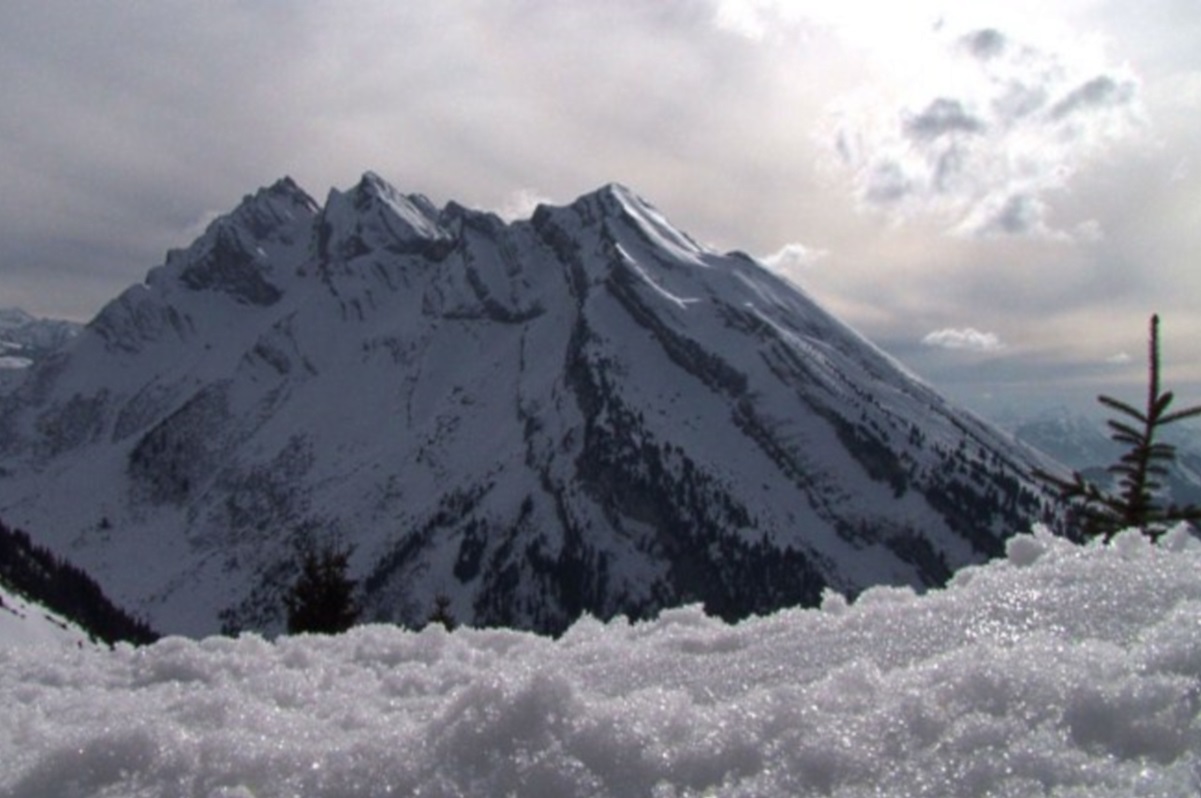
column 1063, row 670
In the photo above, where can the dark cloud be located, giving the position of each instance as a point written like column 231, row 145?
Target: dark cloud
column 887, row 183
column 1018, row 214
column 1100, row 92
column 985, row 44
column 943, row 116
column 1017, row 100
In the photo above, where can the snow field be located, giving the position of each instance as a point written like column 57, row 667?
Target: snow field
column 24, row 623
column 1061, row 670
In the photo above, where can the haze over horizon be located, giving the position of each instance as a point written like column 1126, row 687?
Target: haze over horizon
column 999, row 196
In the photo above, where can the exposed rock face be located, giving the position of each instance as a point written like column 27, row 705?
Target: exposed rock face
column 582, row 412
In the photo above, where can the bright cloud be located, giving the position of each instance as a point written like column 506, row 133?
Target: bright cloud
column 522, row 203
column 978, row 117
column 792, row 257
column 967, row 338
column 994, row 127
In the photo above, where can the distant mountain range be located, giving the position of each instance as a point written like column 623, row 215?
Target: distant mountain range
column 581, row 412
column 1082, row 442
column 24, row 339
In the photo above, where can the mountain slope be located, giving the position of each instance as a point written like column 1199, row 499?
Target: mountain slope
column 582, row 412
column 46, row 599
column 24, row 622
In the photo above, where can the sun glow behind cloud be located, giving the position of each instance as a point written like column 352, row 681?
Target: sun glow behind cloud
column 1011, row 163
column 977, row 119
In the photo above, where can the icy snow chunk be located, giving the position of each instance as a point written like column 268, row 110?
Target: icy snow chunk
column 1132, row 543
column 1181, row 537
column 833, row 602
column 1024, row 550
column 886, row 595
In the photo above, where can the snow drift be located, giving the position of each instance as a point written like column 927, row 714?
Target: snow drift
column 1061, row 670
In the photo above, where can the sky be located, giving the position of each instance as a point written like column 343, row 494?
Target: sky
column 997, row 193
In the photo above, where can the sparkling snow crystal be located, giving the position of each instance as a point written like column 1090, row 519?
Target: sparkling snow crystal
column 1061, row 670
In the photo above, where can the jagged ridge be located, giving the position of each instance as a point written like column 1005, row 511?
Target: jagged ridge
column 583, row 412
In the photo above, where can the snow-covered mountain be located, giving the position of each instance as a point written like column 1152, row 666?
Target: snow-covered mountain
column 586, row 411
column 25, row 338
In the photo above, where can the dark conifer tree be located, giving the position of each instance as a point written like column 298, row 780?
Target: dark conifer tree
column 322, row 599
column 442, row 613
column 1146, row 459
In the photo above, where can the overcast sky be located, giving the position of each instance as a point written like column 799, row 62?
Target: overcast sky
column 998, row 193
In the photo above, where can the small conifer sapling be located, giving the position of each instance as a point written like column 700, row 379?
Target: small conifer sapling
column 1135, row 503
column 442, row 613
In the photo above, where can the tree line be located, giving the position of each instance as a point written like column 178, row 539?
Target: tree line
column 43, row 577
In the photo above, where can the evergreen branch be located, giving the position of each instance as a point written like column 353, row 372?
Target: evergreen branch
column 1160, row 405
column 1124, row 432
column 1110, row 402
column 1190, row 412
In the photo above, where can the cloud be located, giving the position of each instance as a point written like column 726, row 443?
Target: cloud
column 1089, row 231
column 987, row 132
column 943, row 116
column 984, row 44
column 793, row 257
column 1100, row 92
column 1021, row 213
column 1009, row 124
column 1120, row 359
column 521, row 204
column 967, row 338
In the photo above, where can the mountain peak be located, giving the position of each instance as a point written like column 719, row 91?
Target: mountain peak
column 374, row 216
column 614, row 198
column 617, row 202
column 586, row 413
column 372, row 182
column 264, row 212
column 236, row 252
column 288, row 189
